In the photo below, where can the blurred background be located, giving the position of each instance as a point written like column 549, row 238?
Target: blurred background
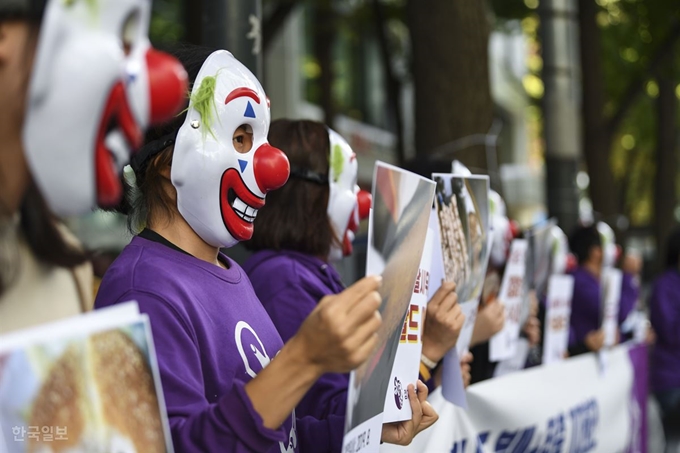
column 571, row 106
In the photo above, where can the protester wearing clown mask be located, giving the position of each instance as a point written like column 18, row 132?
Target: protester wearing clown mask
column 305, row 227
column 65, row 131
column 196, row 186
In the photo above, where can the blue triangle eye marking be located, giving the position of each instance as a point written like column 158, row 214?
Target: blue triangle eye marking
column 243, row 164
column 250, row 113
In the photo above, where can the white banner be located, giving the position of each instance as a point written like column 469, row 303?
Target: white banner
column 561, row 408
column 557, row 314
column 504, row 344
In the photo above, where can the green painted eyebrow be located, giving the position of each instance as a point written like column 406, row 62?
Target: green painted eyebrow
column 203, row 101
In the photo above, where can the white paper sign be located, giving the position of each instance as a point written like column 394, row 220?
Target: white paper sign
column 402, row 204
column 469, row 309
column 503, row 345
column 612, row 281
column 407, row 361
column 452, row 381
column 516, row 362
column 557, row 314
column 32, row 360
column 437, row 265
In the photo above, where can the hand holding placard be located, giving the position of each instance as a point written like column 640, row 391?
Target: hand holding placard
column 443, row 322
column 423, row 416
column 340, row 333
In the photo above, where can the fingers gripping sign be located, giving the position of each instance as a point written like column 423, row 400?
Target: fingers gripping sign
column 443, row 322
column 342, row 331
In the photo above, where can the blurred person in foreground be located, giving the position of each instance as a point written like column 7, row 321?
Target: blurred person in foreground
column 229, row 381
column 307, row 226
column 78, row 85
column 664, row 307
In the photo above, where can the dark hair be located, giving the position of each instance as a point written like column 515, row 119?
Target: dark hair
column 294, row 217
column 147, row 195
column 673, row 249
column 43, row 235
column 582, row 240
column 28, row 10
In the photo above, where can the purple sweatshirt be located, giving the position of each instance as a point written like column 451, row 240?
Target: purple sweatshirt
column 212, row 336
column 586, row 311
column 290, row 285
column 664, row 308
column 630, row 292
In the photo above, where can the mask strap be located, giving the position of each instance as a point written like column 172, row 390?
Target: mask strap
column 142, row 158
column 308, row 175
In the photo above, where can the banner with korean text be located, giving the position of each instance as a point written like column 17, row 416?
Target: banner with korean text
column 570, row 406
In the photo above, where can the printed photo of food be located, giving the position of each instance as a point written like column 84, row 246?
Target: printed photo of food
column 89, row 394
column 462, row 204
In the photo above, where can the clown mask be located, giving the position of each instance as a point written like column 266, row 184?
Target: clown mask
column 96, row 85
column 559, row 250
column 502, row 233
column 220, row 188
column 347, row 204
column 610, row 250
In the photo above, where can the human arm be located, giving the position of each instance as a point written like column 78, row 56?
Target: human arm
column 490, row 321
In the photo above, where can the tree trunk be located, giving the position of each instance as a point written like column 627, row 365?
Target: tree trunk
column 392, row 83
column 596, row 137
column 451, row 75
column 324, row 33
column 665, row 198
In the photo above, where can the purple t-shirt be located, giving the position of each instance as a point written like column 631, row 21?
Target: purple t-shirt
column 630, row 292
column 664, row 308
column 212, row 336
column 586, row 311
column 290, row 285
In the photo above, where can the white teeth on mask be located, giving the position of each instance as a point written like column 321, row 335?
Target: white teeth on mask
column 117, row 144
column 239, row 205
column 244, row 211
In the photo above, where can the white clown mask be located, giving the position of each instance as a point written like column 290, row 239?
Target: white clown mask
column 347, row 204
column 609, row 248
column 219, row 190
column 459, row 169
column 502, row 233
column 559, row 250
column 96, row 85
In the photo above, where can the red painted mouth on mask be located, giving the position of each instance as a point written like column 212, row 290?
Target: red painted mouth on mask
column 238, row 205
column 117, row 116
column 352, row 228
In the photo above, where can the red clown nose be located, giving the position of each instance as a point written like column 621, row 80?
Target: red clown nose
column 364, row 200
column 271, row 168
column 168, row 84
